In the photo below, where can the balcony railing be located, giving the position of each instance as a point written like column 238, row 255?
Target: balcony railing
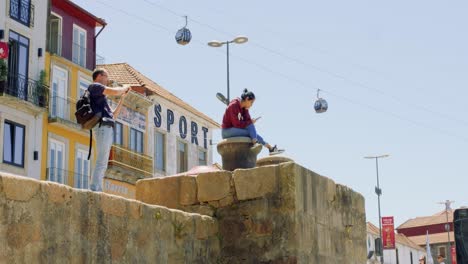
column 60, row 108
column 25, row 89
column 131, row 160
column 75, row 52
column 62, row 176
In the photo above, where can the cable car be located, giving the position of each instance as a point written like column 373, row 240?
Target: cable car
column 321, row 104
column 183, row 35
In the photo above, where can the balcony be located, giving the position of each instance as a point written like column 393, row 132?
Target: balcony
column 74, row 52
column 62, row 176
column 61, row 111
column 18, row 89
column 128, row 162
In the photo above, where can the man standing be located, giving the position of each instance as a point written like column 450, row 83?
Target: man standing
column 104, row 131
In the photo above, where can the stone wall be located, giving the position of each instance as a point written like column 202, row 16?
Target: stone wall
column 43, row 222
column 273, row 214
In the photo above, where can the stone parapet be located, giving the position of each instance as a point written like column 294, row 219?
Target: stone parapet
column 44, row 222
column 272, row 214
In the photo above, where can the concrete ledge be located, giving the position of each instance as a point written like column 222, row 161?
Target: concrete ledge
column 272, row 160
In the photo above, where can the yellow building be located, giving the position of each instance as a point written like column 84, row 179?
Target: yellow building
column 69, row 60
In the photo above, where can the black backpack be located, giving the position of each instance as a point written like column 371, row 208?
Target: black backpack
column 86, row 117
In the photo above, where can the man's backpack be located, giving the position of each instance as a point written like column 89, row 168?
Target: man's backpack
column 86, row 117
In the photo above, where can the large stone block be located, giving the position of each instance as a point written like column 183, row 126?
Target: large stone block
column 213, row 186
column 188, row 190
column 255, row 183
column 19, row 188
column 159, row 191
column 57, row 193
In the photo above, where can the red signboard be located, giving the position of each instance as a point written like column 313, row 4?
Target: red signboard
column 454, row 255
column 388, row 233
column 3, row 50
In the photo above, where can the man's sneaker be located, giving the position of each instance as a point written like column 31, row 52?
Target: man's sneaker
column 275, row 151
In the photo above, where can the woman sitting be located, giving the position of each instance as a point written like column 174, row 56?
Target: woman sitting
column 237, row 121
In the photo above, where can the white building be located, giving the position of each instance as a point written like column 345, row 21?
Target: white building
column 174, row 136
column 406, row 251
column 23, row 100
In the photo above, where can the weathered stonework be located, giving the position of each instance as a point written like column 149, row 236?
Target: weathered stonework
column 44, row 222
column 278, row 214
column 272, row 214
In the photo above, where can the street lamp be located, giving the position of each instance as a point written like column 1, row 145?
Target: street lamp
column 378, row 191
column 217, row 44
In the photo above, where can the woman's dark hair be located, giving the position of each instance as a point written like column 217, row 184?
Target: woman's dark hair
column 247, row 95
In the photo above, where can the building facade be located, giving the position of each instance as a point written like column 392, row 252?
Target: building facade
column 405, row 252
column 70, row 59
column 170, row 135
column 417, row 228
column 23, row 93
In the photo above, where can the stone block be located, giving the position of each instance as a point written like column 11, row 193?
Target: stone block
column 188, row 190
column 113, row 205
column 57, row 193
column 213, row 186
column 205, row 227
column 19, row 188
column 159, row 191
column 255, row 183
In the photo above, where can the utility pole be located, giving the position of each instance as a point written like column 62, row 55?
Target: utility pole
column 447, row 204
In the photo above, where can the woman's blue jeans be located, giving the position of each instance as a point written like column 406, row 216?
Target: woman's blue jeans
column 249, row 131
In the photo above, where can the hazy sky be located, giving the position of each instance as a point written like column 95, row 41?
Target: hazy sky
column 394, row 74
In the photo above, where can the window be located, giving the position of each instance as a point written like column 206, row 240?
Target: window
column 58, row 100
column 56, row 170
column 54, row 40
column 83, row 86
column 118, row 134
column 159, row 151
column 181, row 157
column 13, row 144
column 79, row 46
column 20, row 11
column 82, row 170
column 136, row 140
column 18, row 62
column 442, row 251
column 202, row 157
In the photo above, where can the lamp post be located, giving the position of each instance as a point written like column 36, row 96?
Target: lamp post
column 378, row 191
column 217, row 44
column 447, row 204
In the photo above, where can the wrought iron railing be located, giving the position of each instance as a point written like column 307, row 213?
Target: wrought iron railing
column 62, row 176
column 131, row 160
column 25, row 89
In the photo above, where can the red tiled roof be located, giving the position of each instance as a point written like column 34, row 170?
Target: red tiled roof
column 437, row 238
column 439, row 218
column 123, row 73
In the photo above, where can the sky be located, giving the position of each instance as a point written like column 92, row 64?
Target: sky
column 394, row 74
